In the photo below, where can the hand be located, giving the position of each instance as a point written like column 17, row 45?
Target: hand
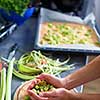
column 57, row 94
column 32, row 94
column 56, row 82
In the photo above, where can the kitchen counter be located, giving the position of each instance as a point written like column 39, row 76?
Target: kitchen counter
column 24, row 37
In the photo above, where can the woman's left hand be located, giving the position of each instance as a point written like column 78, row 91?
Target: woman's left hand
column 56, row 94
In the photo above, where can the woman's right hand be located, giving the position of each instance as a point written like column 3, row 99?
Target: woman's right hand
column 56, row 82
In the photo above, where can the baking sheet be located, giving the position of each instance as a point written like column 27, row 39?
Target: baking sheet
column 51, row 16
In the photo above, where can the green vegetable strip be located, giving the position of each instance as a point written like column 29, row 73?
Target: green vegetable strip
column 62, row 63
column 26, row 69
column 3, row 84
column 22, row 76
column 9, row 79
column 34, row 63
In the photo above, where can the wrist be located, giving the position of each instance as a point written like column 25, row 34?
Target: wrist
column 72, row 95
column 68, row 82
column 75, row 96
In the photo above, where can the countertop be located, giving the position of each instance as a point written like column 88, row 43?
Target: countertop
column 24, row 36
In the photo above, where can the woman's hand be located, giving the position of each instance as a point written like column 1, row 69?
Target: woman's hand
column 33, row 95
column 57, row 94
column 56, row 82
column 62, row 94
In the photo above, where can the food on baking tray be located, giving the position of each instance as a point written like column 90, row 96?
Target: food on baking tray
column 31, row 64
column 57, row 33
column 36, row 87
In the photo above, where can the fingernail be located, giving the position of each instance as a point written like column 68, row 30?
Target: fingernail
column 41, row 94
column 29, row 91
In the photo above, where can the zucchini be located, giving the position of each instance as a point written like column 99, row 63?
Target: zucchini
column 25, row 69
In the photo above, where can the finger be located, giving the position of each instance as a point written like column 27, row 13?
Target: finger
column 32, row 98
column 35, row 96
column 37, row 81
column 33, row 83
column 41, row 76
column 48, row 94
column 46, row 77
column 53, row 98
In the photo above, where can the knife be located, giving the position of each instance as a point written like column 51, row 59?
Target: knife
column 12, row 51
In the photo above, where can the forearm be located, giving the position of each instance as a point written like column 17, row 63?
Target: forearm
column 87, row 96
column 88, row 73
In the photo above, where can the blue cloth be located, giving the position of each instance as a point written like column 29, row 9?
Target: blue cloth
column 14, row 17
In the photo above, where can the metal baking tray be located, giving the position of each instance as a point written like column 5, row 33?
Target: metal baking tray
column 52, row 16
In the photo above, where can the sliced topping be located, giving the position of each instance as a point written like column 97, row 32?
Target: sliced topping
column 67, row 33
